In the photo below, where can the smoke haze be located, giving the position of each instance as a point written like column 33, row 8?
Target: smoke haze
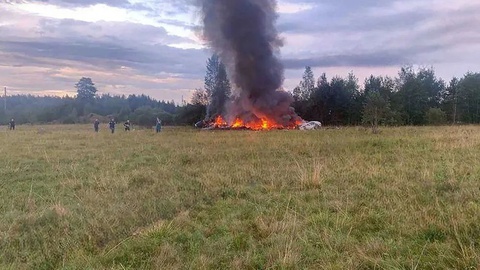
column 243, row 34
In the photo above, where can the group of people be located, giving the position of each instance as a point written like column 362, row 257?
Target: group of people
column 96, row 125
column 126, row 125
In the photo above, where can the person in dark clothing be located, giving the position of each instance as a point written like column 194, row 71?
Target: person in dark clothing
column 111, row 124
column 96, row 124
column 127, row 125
column 158, row 126
column 11, row 124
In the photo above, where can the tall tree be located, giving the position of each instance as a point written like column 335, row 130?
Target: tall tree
column 354, row 98
column 431, row 85
column 86, row 89
column 450, row 100
column 417, row 92
column 385, row 87
column 297, row 95
column 375, row 110
column 469, row 98
column 315, row 107
column 340, row 101
column 307, row 85
column 217, row 86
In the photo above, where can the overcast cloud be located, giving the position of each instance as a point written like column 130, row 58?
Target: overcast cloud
column 151, row 46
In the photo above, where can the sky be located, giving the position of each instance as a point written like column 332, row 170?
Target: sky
column 155, row 47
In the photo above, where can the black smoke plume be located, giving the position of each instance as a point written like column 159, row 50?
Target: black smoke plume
column 243, row 33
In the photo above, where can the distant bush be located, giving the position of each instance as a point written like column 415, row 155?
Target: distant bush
column 190, row 114
column 436, row 116
column 69, row 120
column 146, row 116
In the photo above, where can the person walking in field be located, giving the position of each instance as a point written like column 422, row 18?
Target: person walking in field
column 158, row 126
column 127, row 125
column 11, row 124
column 111, row 124
column 96, row 125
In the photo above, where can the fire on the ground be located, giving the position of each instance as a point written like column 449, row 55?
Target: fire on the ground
column 260, row 124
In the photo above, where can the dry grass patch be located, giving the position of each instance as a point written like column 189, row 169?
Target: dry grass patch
column 407, row 198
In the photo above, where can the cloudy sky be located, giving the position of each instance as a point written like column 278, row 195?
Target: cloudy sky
column 153, row 47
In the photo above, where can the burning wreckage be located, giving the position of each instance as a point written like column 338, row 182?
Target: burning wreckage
column 243, row 34
column 263, row 124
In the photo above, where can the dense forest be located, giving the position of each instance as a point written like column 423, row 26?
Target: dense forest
column 86, row 106
column 413, row 97
column 141, row 109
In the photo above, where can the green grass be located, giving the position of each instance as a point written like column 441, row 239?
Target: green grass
column 408, row 198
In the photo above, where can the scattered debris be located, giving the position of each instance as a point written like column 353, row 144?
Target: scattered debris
column 310, row 125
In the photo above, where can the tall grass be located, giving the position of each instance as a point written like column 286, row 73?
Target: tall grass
column 328, row 199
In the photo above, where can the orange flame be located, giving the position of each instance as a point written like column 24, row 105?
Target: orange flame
column 264, row 124
column 219, row 122
column 238, row 123
column 261, row 124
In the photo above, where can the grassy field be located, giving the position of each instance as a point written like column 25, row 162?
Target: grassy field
column 408, row 198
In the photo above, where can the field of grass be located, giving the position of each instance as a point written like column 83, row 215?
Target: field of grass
column 408, row 198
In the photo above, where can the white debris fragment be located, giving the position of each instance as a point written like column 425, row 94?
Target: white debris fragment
column 310, row 125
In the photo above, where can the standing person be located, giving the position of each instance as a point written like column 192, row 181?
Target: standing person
column 158, row 126
column 11, row 124
column 127, row 125
column 96, row 124
column 111, row 124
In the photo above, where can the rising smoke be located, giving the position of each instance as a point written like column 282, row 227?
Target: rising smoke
column 243, row 33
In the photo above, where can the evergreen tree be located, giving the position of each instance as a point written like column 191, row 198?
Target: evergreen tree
column 417, row 92
column 86, row 89
column 469, row 98
column 450, row 100
column 306, row 86
column 385, row 87
column 375, row 110
column 317, row 106
column 354, row 105
column 217, row 86
column 297, row 95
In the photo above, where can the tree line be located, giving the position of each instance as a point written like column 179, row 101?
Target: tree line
column 28, row 109
column 413, row 97
column 87, row 106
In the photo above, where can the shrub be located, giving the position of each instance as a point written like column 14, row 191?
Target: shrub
column 436, row 116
